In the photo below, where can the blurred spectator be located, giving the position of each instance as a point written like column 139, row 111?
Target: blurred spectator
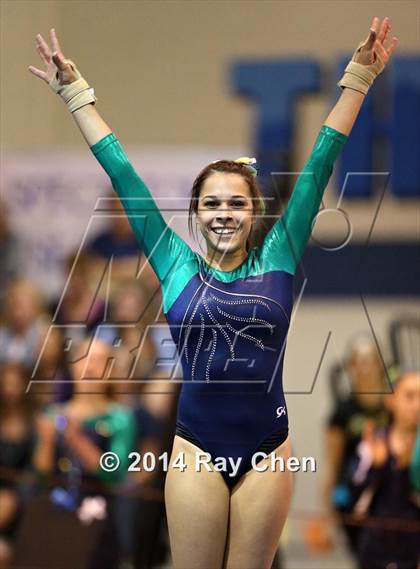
column 382, row 485
column 415, row 463
column 52, row 381
column 17, row 441
column 118, row 243
column 10, row 257
column 72, row 438
column 141, row 503
column 132, row 314
column 24, row 324
column 344, row 431
column 118, row 239
column 80, row 310
column 128, row 327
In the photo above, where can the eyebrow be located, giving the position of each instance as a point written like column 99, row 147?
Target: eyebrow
column 231, row 197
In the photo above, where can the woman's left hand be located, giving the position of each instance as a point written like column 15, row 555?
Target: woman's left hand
column 377, row 44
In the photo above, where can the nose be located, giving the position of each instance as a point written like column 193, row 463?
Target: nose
column 224, row 214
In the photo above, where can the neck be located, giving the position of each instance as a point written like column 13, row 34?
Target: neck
column 226, row 261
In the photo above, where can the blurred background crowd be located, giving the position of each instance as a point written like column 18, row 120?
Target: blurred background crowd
column 87, row 365
column 88, row 395
column 70, row 392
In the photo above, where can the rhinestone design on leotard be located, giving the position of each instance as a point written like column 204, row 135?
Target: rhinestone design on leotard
column 211, row 319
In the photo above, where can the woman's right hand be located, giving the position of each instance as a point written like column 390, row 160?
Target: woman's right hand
column 67, row 82
column 54, row 60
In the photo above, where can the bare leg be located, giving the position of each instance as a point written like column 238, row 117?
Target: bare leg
column 258, row 509
column 197, row 507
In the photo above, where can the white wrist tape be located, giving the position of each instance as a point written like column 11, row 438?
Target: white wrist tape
column 358, row 76
column 76, row 94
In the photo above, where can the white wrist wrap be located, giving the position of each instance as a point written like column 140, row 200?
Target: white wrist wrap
column 358, row 76
column 76, row 94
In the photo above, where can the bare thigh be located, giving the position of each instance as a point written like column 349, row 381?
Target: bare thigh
column 258, row 508
column 197, row 507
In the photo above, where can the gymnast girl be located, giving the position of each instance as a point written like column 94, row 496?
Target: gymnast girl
column 229, row 315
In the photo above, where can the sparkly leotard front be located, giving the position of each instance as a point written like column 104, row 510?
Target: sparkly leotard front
column 230, row 328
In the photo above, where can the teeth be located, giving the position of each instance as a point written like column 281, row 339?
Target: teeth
column 222, row 231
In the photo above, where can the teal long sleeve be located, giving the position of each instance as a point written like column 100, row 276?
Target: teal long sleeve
column 162, row 246
column 172, row 259
column 285, row 242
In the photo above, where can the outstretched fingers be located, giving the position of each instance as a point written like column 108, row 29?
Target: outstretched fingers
column 378, row 39
column 376, row 25
column 370, row 41
column 392, row 46
column 55, row 43
column 383, row 52
column 384, row 29
column 38, row 72
column 59, row 60
column 43, row 49
column 42, row 55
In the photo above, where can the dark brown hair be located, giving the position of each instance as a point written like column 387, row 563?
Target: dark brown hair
column 27, row 401
column 228, row 167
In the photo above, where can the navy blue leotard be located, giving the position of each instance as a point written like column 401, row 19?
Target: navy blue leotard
column 230, row 328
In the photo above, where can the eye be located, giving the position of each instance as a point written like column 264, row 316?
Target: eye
column 238, row 204
column 211, row 203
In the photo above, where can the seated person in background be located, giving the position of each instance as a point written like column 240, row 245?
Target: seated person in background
column 52, row 381
column 118, row 242
column 140, row 503
column 10, row 254
column 128, row 322
column 127, row 329
column 17, row 440
column 73, row 436
column 415, row 463
column 363, row 404
column 139, row 506
column 80, row 310
column 382, row 485
column 24, row 324
column 118, row 239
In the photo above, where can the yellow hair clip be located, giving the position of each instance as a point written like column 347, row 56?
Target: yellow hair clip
column 251, row 163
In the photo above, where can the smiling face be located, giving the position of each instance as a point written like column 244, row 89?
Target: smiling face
column 225, row 215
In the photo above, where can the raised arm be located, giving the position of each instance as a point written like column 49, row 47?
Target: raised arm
column 162, row 246
column 284, row 244
column 367, row 62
